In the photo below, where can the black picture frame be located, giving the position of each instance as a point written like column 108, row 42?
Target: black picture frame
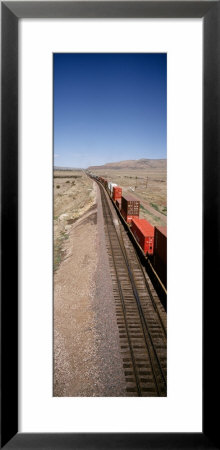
column 11, row 12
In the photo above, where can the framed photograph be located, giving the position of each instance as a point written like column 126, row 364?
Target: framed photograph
column 107, row 349
column 123, row 67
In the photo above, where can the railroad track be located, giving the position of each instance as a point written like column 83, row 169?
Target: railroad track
column 141, row 318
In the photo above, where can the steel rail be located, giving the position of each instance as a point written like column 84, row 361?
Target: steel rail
column 124, row 312
column 152, row 353
column 142, row 315
column 150, row 293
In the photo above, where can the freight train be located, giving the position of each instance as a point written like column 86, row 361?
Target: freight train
column 152, row 240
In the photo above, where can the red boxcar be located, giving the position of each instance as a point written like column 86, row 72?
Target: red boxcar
column 160, row 253
column 130, row 205
column 117, row 192
column 143, row 232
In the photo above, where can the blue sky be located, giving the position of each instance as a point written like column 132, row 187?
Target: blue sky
column 109, row 107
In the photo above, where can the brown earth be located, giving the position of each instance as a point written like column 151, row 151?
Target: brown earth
column 87, row 359
column 134, row 164
column 144, row 179
column 73, row 196
column 74, row 339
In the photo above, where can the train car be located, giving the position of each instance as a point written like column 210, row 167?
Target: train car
column 143, row 232
column 117, row 193
column 160, row 253
column 118, row 204
column 110, row 187
column 130, row 207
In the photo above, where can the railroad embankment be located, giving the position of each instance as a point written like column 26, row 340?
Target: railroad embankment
column 87, row 359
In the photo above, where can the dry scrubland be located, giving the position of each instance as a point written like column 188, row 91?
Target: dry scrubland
column 73, row 196
column 87, row 357
column 149, row 184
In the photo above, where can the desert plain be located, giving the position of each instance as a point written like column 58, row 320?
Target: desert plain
column 87, row 358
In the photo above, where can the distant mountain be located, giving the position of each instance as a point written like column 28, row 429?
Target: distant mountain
column 133, row 164
column 66, row 168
